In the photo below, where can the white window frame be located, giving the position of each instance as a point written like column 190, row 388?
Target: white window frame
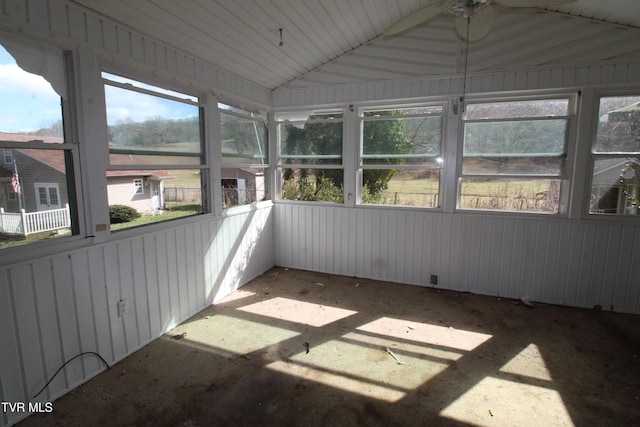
column 439, row 159
column 567, row 164
column 138, row 84
column 138, row 186
column 69, row 145
column 593, row 156
column 228, row 163
column 285, row 118
column 7, row 156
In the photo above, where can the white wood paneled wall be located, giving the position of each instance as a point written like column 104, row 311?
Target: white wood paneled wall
column 551, row 77
column 54, row 308
column 558, row 261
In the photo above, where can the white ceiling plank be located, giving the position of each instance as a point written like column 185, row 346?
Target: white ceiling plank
column 327, row 38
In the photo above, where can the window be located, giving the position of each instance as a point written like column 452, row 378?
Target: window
column 310, row 157
column 615, row 184
column 244, row 156
column 35, row 147
column 401, row 155
column 514, row 155
column 156, row 140
column 137, row 186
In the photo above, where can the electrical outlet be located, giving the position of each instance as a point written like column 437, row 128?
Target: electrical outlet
column 433, row 280
column 123, row 307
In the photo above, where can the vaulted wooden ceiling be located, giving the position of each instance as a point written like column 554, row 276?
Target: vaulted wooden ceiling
column 332, row 42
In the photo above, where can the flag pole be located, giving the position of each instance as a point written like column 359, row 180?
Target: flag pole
column 17, row 188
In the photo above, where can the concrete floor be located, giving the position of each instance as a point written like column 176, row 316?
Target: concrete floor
column 462, row 360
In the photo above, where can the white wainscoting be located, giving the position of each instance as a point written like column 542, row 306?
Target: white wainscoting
column 558, row 261
column 53, row 308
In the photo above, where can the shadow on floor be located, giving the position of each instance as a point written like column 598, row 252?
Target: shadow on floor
column 298, row 348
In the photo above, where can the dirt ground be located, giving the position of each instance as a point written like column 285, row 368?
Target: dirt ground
column 294, row 348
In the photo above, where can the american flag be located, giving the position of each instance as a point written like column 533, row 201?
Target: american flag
column 15, row 180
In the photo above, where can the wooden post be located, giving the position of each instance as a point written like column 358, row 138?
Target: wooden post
column 67, row 215
column 2, row 219
column 23, row 222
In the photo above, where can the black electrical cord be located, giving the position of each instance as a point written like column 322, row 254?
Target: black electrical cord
column 65, row 364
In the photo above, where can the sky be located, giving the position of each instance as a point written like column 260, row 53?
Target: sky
column 28, row 102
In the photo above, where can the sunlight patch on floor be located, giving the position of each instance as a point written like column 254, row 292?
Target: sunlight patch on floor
column 426, row 333
column 299, row 312
column 405, row 350
column 372, row 364
column 235, row 335
column 497, row 401
column 528, row 363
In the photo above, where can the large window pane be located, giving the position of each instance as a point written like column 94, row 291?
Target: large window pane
column 166, row 131
column 305, row 149
column 245, row 156
column 156, row 153
column 519, row 195
column 242, row 186
column 318, row 139
column 37, row 199
column 618, row 125
column 406, row 187
column 244, row 140
column 401, row 156
column 313, row 185
column 514, row 155
column 539, row 137
column 615, row 186
column 517, row 109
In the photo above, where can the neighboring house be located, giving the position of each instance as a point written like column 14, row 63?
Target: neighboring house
column 44, row 182
column 242, row 185
column 141, row 190
column 42, row 176
column 608, row 193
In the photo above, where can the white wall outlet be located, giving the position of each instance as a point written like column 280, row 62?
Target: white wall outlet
column 123, row 307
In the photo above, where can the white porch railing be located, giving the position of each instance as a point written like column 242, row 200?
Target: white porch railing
column 34, row 222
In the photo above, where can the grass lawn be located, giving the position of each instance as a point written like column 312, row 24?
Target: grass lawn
column 407, row 189
column 174, row 212
column 12, row 240
column 184, row 178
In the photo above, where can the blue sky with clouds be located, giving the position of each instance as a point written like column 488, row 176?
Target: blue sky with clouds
column 28, row 102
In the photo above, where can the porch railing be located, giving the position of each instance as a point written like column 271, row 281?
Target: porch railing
column 34, row 222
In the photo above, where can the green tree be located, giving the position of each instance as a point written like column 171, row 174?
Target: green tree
column 384, row 137
column 243, row 137
column 318, row 137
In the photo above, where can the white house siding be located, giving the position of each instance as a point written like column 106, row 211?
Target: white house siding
column 120, row 192
column 54, row 308
column 558, row 261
